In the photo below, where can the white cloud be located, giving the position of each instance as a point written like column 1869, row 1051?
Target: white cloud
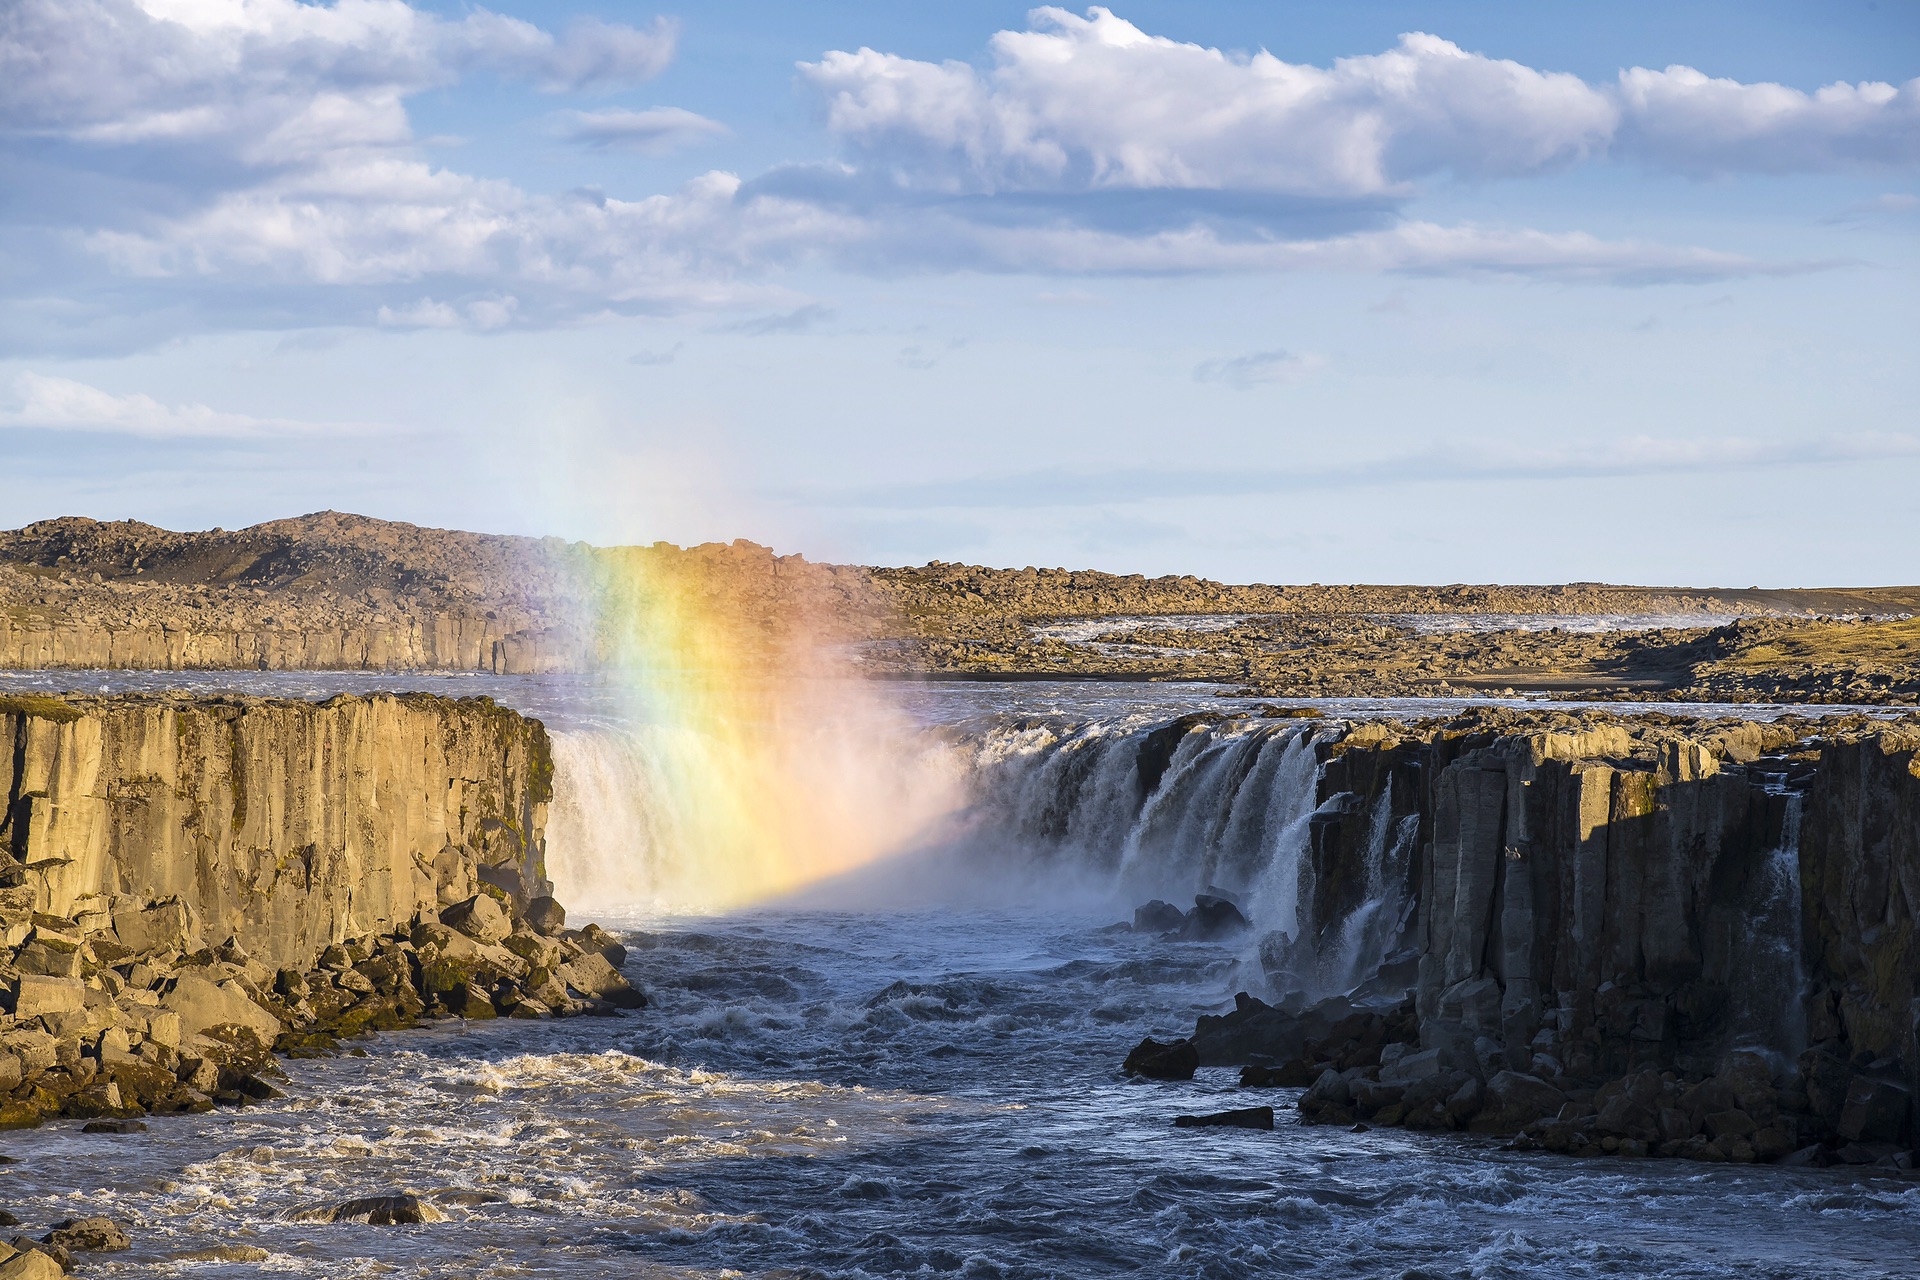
column 61, row 404
column 1258, row 368
column 257, row 154
column 1094, row 103
column 656, row 131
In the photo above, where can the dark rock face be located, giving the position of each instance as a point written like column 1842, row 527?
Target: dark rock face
column 1620, row 934
column 1174, row 1060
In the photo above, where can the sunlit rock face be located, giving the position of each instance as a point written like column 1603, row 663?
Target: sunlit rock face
column 287, row 825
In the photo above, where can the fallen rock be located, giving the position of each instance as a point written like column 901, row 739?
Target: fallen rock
column 480, row 917
column 592, row 975
column 36, row 995
column 546, row 917
column 1174, row 1060
column 1243, row 1118
column 203, row 1005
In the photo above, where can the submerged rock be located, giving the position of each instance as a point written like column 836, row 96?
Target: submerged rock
column 1242, row 1118
column 401, row 1209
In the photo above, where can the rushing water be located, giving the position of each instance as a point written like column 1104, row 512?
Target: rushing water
column 839, row 1094
column 912, row 1071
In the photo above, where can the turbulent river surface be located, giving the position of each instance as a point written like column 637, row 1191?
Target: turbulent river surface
column 927, row 1085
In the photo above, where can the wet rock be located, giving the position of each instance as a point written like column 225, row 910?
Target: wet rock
column 592, row 975
column 81, row 1235
column 1730, row 1124
column 1212, row 917
column 113, row 1126
column 1295, row 1073
column 380, row 1211
column 1172, row 1060
column 1330, row 1090
column 1242, row 1118
column 1158, row 917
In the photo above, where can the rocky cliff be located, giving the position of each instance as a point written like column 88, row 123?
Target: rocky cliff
column 285, row 825
column 1625, row 911
column 189, row 885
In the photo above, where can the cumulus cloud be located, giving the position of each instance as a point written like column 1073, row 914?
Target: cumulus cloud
column 257, row 156
column 1258, row 368
column 1095, row 104
column 657, row 131
column 61, row 404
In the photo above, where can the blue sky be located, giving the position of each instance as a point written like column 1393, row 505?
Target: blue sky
column 1282, row 292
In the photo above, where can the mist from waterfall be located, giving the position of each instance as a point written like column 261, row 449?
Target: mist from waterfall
column 1099, row 815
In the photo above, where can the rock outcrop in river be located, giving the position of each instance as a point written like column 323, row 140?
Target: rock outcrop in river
column 1664, row 937
column 188, row 884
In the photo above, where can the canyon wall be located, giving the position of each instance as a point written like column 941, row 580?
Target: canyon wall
column 287, row 825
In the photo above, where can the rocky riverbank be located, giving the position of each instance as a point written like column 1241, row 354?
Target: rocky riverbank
column 1630, row 935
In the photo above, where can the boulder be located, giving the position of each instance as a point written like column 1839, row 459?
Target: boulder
column 1875, row 1111
column 163, row 926
column 30, row 1264
column 546, row 916
column 203, row 1004
column 1514, row 1100
column 1157, row 917
column 1243, row 1118
column 36, row 995
column 591, row 975
column 480, row 917
column 379, row 1211
column 1174, row 1060
column 1331, row 1089
column 1411, row 1068
column 1211, row 917
column 78, row 1235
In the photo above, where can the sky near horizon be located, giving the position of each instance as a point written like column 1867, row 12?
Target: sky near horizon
column 1281, row 292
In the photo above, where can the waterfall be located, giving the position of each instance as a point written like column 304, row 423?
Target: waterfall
column 1768, row 990
column 669, row 818
column 1107, row 813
